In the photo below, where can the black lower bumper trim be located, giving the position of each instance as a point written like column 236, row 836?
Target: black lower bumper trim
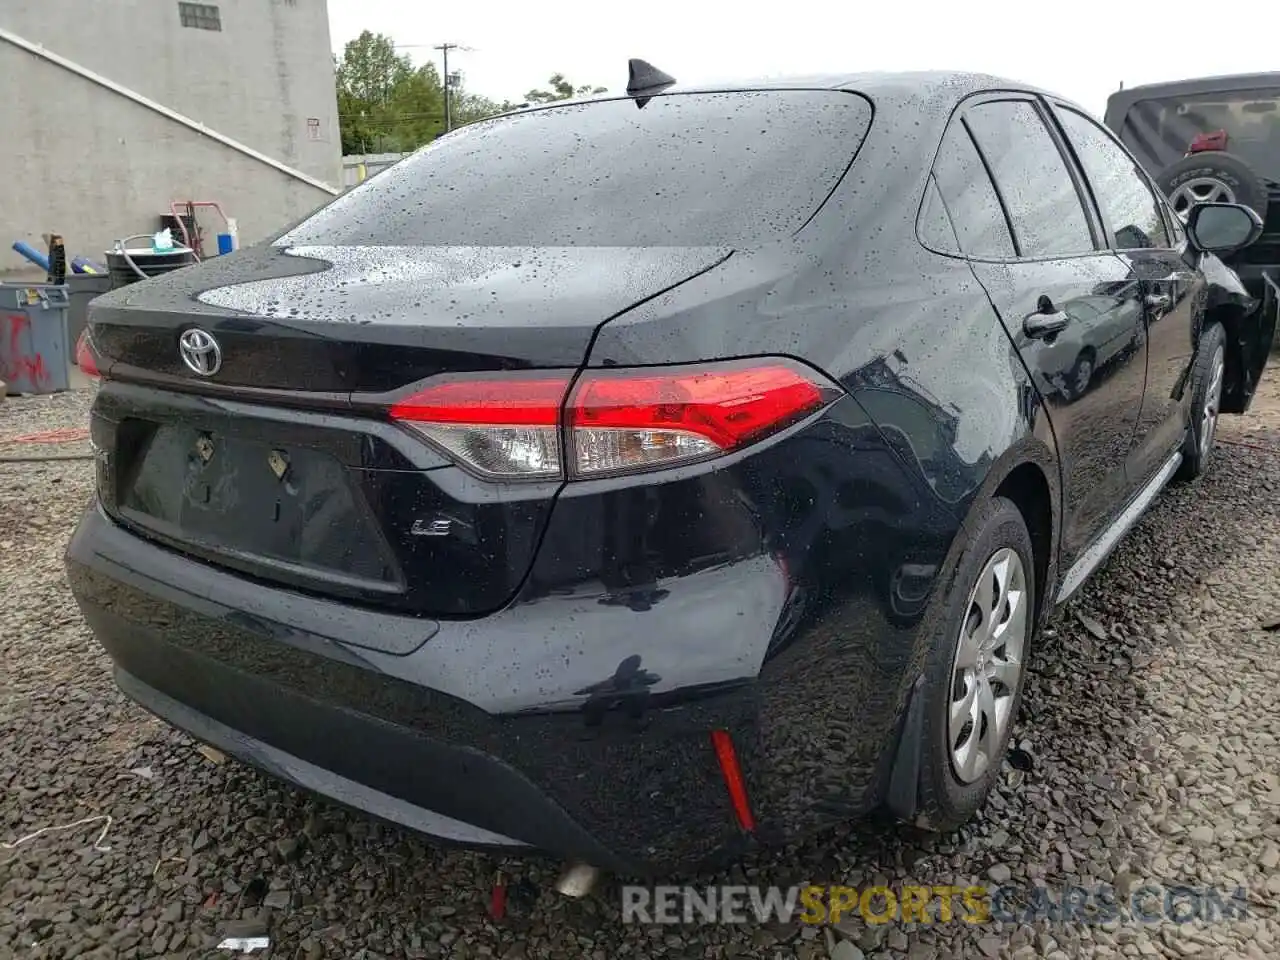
column 308, row 776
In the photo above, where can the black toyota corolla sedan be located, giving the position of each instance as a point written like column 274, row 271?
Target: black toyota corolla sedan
column 639, row 479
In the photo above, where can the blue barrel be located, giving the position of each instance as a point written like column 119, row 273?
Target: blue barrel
column 34, row 351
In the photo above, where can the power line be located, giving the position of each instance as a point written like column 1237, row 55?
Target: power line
column 394, row 119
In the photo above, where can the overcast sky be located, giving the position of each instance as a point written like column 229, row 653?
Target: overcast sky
column 1081, row 49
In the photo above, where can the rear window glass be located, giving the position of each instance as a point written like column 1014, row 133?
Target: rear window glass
column 686, row 170
column 1160, row 131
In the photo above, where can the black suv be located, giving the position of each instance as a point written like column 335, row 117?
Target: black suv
column 1212, row 139
column 642, row 478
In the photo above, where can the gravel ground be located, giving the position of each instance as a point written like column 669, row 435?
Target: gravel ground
column 1151, row 718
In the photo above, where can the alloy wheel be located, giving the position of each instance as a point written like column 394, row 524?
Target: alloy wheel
column 1212, row 401
column 1200, row 190
column 988, row 666
column 1084, row 376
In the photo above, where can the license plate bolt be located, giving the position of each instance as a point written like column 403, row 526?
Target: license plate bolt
column 279, row 464
column 204, row 447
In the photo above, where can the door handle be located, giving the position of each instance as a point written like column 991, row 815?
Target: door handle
column 1045, row 322
column 1159, row 302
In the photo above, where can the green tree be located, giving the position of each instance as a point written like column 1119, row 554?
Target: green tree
column 470, row 107
column 385, row 104
column 561, row 89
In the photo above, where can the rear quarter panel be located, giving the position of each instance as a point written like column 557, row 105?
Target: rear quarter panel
column 940, row 411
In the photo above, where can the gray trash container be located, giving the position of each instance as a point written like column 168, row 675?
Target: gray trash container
column 33, row 337
column 82, row 287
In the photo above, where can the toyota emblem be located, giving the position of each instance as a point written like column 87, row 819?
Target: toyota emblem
column 200, row 352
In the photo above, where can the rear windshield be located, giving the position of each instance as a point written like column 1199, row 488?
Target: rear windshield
column 1160, row 131
column 722, row 169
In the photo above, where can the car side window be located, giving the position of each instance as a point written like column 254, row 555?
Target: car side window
column 1128, row 203
column 969, row 197
column 1034, row 180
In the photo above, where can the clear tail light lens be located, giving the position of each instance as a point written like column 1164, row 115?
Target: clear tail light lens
column 502, row 426
column 514, row 426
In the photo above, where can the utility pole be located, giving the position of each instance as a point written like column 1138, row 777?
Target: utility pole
column 444, row 49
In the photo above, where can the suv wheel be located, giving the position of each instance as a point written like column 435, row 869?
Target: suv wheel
column 1206, row 399
column 975, row 670
column 1212, row 177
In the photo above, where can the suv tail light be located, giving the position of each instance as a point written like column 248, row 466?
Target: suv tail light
column 514, row 426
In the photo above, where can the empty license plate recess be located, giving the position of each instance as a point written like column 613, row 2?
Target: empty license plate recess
column 289, row 504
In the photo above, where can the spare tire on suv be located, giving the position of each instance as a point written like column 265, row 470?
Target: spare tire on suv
column 1209, row 177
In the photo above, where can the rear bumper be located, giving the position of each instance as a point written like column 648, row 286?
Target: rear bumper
column 261, row 678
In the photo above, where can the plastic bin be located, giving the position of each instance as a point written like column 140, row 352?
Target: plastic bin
column 33, row 338
column 82, row 287
column 150, row 262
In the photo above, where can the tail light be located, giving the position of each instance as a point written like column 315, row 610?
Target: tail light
column 85, row 358
column 611, row 421
column 502, row 426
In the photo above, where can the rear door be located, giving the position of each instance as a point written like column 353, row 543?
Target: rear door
column 1072, row 310
column 1134, row 222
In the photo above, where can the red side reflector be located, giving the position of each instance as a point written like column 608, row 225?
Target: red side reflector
column 733, row 780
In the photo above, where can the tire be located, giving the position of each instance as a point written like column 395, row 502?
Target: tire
column 1207, row 377
column 1213, row 176
column 950, row 790
column 1081, row 376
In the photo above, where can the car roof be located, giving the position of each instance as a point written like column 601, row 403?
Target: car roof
column 885, row 87
column 872, row 82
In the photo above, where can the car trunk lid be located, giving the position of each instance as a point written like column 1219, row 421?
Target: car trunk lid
column 266, row 466
column 322, row 322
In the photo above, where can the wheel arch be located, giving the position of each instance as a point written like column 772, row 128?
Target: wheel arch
column 1028, row 474
column 1231, row 316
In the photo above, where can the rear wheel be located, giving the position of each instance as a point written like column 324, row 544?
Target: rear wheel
column 975, row 671
column 1206, row 400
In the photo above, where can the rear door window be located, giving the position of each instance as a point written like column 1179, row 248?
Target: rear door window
column 1129, row 205
column 1034, row 180
column 714, row 169
column 970, row 198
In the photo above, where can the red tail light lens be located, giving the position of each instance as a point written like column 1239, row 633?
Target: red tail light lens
column 507, row 426
column 85, row 359
column 637, row 419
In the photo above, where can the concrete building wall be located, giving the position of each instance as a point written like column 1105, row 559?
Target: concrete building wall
column 85, row 162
